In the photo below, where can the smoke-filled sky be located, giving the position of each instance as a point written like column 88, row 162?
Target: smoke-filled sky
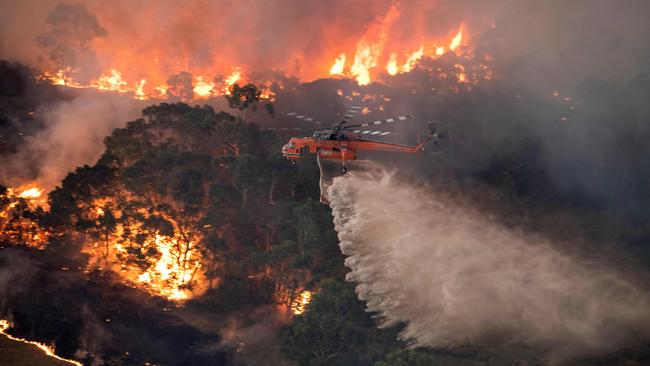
column 555, row 39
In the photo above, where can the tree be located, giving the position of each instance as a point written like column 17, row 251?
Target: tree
column 409, row 357
column 336, row 330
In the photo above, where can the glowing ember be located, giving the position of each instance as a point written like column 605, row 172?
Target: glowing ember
column 339, row 65
column 300, row 305
column 48, row 350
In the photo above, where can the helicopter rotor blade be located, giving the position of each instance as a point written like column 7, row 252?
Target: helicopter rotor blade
column 285, row 129
column 374, row 132
column 352, row 111
column 303, row 117
column 382, row 121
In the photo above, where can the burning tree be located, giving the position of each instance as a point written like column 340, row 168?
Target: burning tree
column 184, row 199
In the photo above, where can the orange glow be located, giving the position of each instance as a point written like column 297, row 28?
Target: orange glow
column 365, row 59
column 368, row 53
column 32, row 192
column 231, row 80
column 173, row 267
column 413, row 59
column 339, row 65
column 111, row 81
column 139, row 90
column 392, row 67
column 300, row 304
column 48, row 350
column 203, row 88
column 456, row 41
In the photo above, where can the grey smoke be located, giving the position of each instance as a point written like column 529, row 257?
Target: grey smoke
column 68, row 42
column 72, row 136
column 456, row 277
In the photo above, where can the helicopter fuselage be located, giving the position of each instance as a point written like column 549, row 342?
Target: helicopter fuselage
column 340, row 146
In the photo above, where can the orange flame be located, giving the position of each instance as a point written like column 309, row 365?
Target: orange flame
column 339, row 65
column 458, row 38
column 33, row 192
column 300, row 305
column 48, row 350
column 203, row 88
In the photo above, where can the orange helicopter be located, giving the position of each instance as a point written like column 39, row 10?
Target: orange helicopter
column 343, row 142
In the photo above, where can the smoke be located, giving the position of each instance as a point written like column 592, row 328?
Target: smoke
column 72, row 135
column 456, row 277
column 73, row 30
column 15, row 267
column 252, row 337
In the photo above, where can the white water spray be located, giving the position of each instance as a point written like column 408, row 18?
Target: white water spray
column 455, row 277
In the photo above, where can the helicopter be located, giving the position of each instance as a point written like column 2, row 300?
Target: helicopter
column 342, row 142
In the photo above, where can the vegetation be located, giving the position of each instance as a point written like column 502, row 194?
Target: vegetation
column 192, row 206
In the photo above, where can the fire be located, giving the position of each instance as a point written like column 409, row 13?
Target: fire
column 139, row 90
column 19, row 217
column 168, row 264
column 300, row 304
column 111, row 81
column 169, row 276
column 203, row 88
column 413, row 59
column 392, row 67
column 144, row 71
column 364, row 60
column 458, row 38
column 233, row 78
column 339, row 65
column 33, row 192
column 48, row 350
column 370, row 51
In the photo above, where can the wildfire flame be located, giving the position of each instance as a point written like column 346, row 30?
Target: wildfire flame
column 169, row 277
column 375, row 53
column 300, row 305
column 339, row 65
column 371, row 48
column 233, row 78
column 33, row 192
column 202, row 87
column 48, row 350
column 458, row 38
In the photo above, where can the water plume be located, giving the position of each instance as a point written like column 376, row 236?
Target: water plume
column 455, row 277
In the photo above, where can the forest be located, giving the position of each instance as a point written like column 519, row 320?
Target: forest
column 192, row 241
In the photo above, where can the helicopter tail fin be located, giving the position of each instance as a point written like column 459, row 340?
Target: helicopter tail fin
column 432, row 135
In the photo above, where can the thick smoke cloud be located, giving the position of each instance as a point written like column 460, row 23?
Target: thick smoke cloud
column 456, row 277
column 73, row 29
column 72, row 136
